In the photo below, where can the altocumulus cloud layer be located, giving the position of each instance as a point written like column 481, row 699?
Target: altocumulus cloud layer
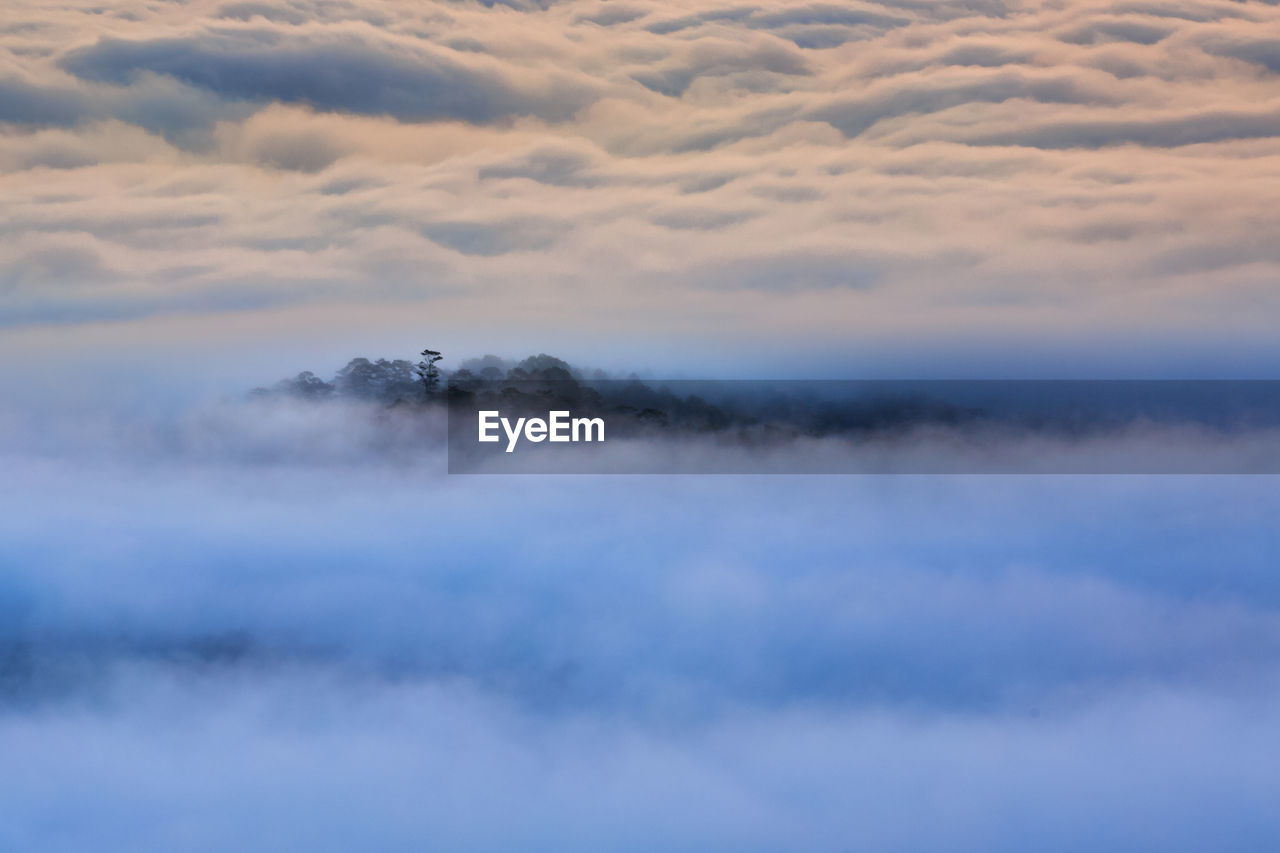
column 224, row 632
column 811, row 173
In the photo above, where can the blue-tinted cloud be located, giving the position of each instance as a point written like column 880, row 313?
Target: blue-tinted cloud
column 344, row 73
column 296, row 601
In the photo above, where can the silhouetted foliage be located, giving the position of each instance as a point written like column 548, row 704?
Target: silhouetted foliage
column 537, row 384
column 427, row 372
column 535, row 364
column 306, row 385
column 385, row 380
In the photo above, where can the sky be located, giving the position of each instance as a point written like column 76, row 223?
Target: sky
column 235, row 623
column 757, row 189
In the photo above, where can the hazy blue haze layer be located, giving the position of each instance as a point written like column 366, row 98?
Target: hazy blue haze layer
column 240, row 636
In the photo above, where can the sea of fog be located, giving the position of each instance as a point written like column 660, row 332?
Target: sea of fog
column 283, row 627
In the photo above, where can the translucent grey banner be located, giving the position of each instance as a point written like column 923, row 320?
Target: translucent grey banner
column 556, row 424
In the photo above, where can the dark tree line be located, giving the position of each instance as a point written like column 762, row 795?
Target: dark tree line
column 383, row 380
column 542, row 382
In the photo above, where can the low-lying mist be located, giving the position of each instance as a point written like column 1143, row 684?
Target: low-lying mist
column 279, row 623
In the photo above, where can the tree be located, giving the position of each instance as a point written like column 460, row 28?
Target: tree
column 363, row 379
column 307, row 385
column 427, row 372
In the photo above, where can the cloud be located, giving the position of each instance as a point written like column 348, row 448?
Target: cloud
column 710, row 58
column 25, row 103
column 853, row 117
column 555, row 166
column 271, row 11
column 338, row 770
column 824, row 13
column 1199, row 12
column 1259, row 51
column 614, row 13
column 1170, row 132
column 783, row 18
column 477, row 162
column 983, row 55
column 339, row 71
column 1118, row 30
column 56, row 263
column 294, row 598
column 494, row 238
column 159, row 106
